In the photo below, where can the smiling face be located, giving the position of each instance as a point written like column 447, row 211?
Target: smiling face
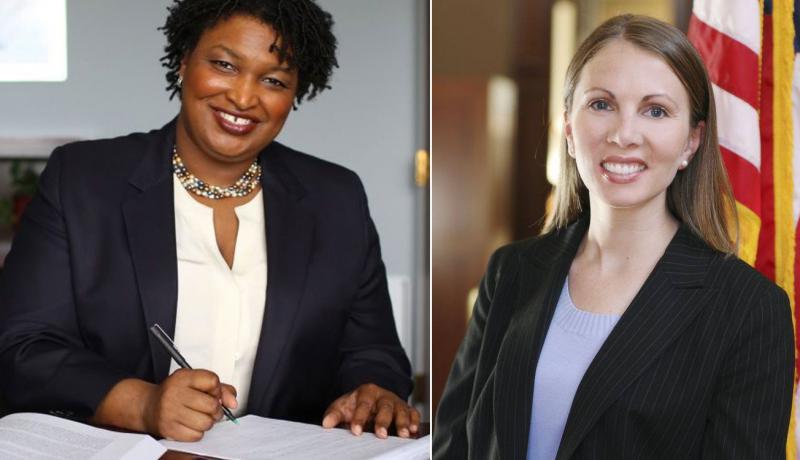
column 236, row 94
column 629, row 127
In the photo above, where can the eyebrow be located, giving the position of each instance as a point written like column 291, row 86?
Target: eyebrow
column 595, row 88
column 227, row 50
column 665, row 96
column 646, row 98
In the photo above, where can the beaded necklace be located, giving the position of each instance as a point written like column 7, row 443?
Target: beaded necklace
column 243, row 186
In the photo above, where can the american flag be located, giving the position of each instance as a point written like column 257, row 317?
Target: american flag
column 750, row 50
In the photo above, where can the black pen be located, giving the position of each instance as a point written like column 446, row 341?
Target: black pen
column 176, row 355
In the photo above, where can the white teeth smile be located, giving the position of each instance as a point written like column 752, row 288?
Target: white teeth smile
column 623, row 169
column 235, row 120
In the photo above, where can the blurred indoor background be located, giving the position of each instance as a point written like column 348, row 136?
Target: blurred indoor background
column 497, row 110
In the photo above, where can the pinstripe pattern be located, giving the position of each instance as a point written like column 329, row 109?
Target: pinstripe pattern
column 699, row 366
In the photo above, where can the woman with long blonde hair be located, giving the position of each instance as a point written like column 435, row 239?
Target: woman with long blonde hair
column 628, row 329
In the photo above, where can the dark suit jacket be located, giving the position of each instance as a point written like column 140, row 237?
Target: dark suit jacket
column 94, row 265
column 699, row 366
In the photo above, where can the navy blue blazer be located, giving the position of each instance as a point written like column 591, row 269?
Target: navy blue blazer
column 94, row 265
column 700, row 365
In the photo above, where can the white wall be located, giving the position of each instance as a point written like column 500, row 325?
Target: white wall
column 115, row 82
column 366, row 122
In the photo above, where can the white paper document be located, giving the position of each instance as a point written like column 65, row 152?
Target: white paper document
column 258, row 438
column 27, row 436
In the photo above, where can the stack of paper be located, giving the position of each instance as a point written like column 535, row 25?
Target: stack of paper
column 37, row 436
column 257, row 438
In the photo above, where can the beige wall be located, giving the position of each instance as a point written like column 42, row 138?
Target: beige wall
column 474, row 37
column 593, row 12
column 471, row 37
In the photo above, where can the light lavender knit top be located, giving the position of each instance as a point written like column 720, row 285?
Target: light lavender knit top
column 571, row 344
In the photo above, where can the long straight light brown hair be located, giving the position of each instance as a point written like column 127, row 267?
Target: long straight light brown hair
column 700, row 195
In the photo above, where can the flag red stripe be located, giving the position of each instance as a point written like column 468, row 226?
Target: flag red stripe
column 765, row 260
column 731, row 65
column 744, row 179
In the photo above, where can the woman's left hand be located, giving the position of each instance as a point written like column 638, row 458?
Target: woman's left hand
column 371, row 402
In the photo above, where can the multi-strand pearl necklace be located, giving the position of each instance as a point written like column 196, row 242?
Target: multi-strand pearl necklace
column 243, row 186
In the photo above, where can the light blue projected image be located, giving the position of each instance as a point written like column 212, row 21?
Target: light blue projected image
column 33, row 40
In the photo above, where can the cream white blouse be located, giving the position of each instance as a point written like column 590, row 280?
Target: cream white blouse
column 220, row 309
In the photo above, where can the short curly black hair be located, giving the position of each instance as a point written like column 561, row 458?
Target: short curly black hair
column 302, row 27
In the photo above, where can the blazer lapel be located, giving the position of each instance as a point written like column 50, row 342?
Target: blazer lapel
column 542, row 276
column 149, row 216
column 290, row 230
column 666, row 304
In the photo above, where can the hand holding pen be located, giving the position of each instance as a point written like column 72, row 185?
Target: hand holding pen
column 188, row 402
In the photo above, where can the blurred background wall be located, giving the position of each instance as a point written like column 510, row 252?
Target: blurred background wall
column 373, row 120
column 496, row 116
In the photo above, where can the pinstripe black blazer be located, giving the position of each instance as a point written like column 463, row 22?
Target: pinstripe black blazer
column 699, row 366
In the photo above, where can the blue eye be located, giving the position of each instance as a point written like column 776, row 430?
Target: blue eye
column 657, row 112
column 599, row 105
